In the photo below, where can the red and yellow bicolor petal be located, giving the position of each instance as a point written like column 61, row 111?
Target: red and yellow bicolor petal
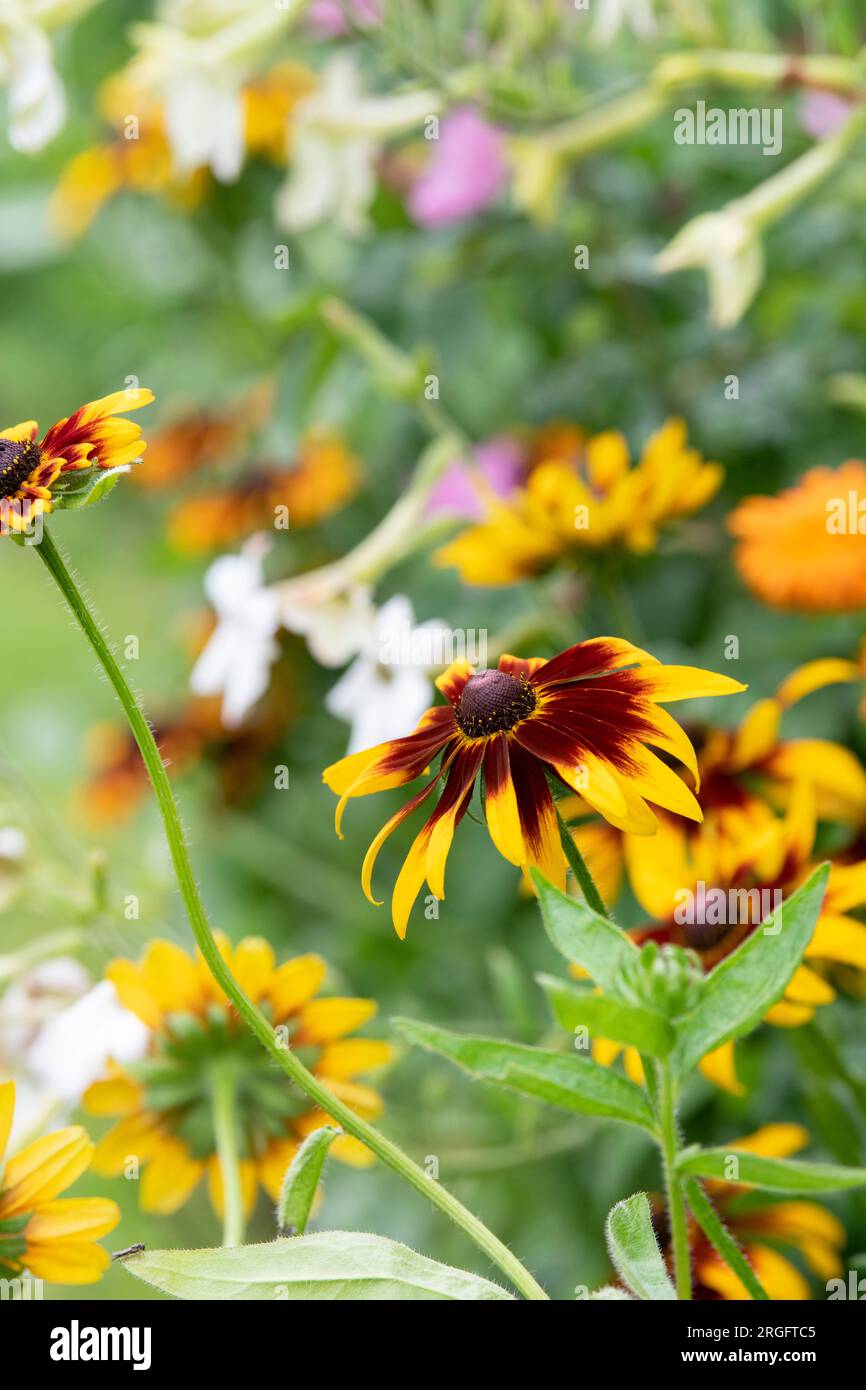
column 92, row 436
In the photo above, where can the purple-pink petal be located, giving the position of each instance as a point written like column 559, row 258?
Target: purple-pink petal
column 467, row 171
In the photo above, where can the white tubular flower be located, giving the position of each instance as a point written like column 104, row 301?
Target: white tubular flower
column 36, row 101
column 237, row 661
column 337, row 133
column 195, row 61
column 335, row 624
column 727, row 246
column 387, row 689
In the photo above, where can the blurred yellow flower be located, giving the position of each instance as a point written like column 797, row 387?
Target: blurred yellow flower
column 583, row 495
column 49, row 1236
column 165, row 1103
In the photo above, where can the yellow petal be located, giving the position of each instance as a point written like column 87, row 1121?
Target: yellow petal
column 169, row 1178
column 805, row 987
column 757, row 736
column 362, row 1099
column 74, row 1263
column 775, row 1140
column 170, row 976
column 668, row 683
column 784, row 1015
column 117, row 1095
column 838, row 938
column 814, row 675
column 133, row 992
column 719, row 1067
column 294, row 983
column 77, row 1218
column 324, row 1020
column 351, row 1056
column 254, row 966
column 45, row 1168
column 7, row 1111
column 134, row 1137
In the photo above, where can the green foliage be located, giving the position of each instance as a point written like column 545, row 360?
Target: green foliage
column 302, row 1180
column 324, row 1267
column 634, row 1249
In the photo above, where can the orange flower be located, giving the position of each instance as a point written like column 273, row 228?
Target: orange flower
column 798, row 549
column 325, row 476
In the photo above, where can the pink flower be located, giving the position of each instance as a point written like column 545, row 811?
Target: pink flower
column 466, row 173
column 327, row 18
column 501, row 462
column 822, row 112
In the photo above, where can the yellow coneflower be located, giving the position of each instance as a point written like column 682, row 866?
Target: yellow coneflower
column 164, row 1103
column 325, row 477
column 32, row 472
column 586, row 717
column 760, row 1228
column 49, row 1236
column 812, row 520
column 582, row 495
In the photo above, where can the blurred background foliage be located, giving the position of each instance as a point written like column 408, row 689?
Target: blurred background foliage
column 193, row 306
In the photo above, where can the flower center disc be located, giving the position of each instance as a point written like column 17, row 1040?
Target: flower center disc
column 493, row 701
column 18, row 458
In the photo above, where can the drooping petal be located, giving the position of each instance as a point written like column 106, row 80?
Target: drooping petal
column 388, row 829
column 450, row 809
column 500, row 802
column 537, row 817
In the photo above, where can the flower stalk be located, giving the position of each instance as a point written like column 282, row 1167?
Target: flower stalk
column 578, row 867
column 669, row 1144
column 225, row 1124
column 389, row 1153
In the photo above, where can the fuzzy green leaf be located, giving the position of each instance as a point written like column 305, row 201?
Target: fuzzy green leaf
column 572, row 1083
column 86, row 488
column 581, row 935
column 634, row 1249
column 607, row 1017
column 330, row 1266
column 773, row 1174
column 736, row 995
column 302, row 1180
column 721, row 1239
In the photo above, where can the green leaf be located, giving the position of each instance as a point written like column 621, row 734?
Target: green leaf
column 331, row 1265
column 302, row 1180
column 607, row 1017
column 581, row 935
column 634, row 1249
column 736, row 995
column 609, row 1293
column 721, row 1239
column 773, row 1174
column 572, row 1083
column 85, row 488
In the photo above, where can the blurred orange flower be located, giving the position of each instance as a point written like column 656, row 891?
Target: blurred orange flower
column 799, row 550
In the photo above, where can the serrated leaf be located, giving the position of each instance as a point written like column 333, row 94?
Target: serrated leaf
column 772, row 1174
column 301, row 1181
column 331, row 1266
column 634, row 1249
column 86, row 488
column 581, row 935
column 607, row 1017
column 572, row 1083
column 737, row 993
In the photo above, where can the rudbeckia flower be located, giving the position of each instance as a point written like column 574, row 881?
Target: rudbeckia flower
column 581, row 496
column 761, row 1226
column 34, row 476
column 587, row 717
column 164, row 1104
column 809, row 519
column 49, row 1236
